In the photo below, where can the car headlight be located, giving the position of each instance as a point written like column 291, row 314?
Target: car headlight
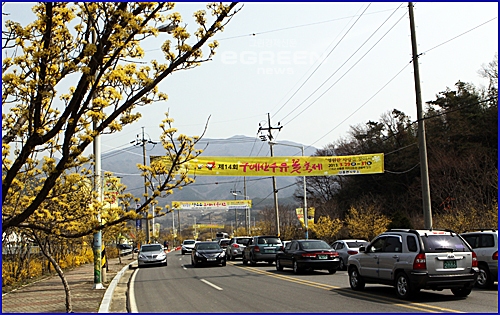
column 161, row 256
column 198, row 254
column 142, row 256
column 222, row 254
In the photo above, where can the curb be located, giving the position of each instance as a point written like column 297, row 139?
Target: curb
column 108, row 295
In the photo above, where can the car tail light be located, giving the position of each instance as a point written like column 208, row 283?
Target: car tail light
column 352, row 252
column 419, row 262
column 309, row 255
column 235, row 245
column 256, row 249
column 474, row 259
column 495, row 256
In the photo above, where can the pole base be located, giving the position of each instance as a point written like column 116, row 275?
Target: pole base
column 98, row 286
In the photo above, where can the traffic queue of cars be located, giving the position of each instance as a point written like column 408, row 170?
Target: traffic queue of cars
column 407, row 259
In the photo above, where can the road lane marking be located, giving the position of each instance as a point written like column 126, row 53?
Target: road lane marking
column 211, row 284
column 131, row 294
column 369, row 296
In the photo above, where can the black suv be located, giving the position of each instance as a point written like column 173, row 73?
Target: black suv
column 411, row 260
column 262, row 248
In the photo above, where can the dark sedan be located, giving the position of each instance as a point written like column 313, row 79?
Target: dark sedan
column 308, row 255
column 208, row 253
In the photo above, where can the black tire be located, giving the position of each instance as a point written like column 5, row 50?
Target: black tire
column 253, row 262
column 223, row 263
column 404, row 288
column 183, row 253
column 296, row 269
column 461, row 292
column 356, row 282
column 484, row 279
column 270, row 262
column 332, row 271
column 279, row 267
column 342, row 265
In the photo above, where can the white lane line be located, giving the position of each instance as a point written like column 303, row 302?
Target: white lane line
column 211, row 284
column 131, row 294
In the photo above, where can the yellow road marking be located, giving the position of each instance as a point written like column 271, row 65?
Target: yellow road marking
column 369, row 296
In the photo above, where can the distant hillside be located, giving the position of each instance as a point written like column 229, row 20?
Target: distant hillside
column 123, row 163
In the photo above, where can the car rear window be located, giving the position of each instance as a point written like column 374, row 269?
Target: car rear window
column 269, row 240
column 189, row 242
column 243, row 241
column 357, row 244
column 442, row 243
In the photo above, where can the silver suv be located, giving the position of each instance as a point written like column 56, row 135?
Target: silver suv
column 485, row 245
column 411, row 260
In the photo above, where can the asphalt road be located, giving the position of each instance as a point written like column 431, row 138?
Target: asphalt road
column 179, row 287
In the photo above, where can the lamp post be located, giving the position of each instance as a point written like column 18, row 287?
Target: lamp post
column 306, row 218
column 247, row 214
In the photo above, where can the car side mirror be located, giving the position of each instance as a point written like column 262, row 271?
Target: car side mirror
column 362, row 249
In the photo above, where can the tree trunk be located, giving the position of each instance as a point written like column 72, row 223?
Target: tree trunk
column 67, row 291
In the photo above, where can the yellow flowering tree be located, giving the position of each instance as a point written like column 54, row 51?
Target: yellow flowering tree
column 366, row 222
column 93, row 47
column 326, row 228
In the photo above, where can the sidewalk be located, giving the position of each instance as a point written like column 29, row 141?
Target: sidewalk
column 47, row 295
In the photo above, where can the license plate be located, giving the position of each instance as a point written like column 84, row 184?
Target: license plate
column 211, row 259
column 449, row 264
column 322, row 256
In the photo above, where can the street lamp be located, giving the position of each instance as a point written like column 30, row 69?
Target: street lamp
column 247, row 211
column 306, row 218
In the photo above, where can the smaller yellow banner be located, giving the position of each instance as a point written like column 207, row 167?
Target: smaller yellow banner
column 310, row 214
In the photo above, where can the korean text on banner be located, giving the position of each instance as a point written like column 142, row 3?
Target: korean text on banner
column 278, row 166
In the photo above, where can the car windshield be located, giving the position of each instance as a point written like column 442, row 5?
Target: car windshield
column 208, row 246
column 151, row 248
column 189, row 242
column 224, row 242
column 315, row 245
column 356, row 244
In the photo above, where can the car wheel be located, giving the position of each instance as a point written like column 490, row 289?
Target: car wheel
column 279, row 267
column 296, row 269
column 270, row 262
column 332, row 271
column 484, row 279
column 461, row 292
column 404, row 289
column 183, row 253
column 355, row 280
column 342, row 264
column 223, row 263
column 253, row 262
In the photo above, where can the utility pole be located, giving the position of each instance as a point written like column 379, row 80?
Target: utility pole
column 275, row 191
column 234, row 192
column 142, row 142
column 422, row 147
column 99, row 271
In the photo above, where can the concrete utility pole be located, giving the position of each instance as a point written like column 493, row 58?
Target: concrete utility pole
column 99, row 277
column 142, row 142
column 424, row 169
column 275, row 190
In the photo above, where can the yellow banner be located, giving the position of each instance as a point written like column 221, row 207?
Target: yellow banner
column 208, row 226
column 310, row 215
column 212, row 205
column 279, row 166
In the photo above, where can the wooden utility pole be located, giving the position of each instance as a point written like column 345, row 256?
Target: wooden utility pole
column 422, row 147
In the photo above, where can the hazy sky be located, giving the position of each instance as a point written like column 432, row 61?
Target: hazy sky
column 317, row 68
